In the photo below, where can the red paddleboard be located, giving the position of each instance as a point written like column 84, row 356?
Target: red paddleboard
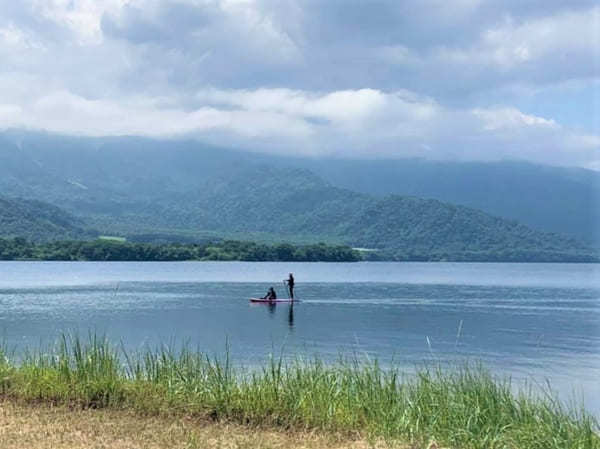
column 270, row 301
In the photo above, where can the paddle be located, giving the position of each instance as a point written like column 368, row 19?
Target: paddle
column 288, row 289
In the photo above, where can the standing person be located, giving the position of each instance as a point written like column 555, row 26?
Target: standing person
column 290, row 283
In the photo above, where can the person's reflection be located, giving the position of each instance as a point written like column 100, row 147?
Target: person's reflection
column 273, row 308
column 291, row 316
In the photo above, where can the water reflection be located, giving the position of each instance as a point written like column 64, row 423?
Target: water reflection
column 272, row 308
column 291, row 315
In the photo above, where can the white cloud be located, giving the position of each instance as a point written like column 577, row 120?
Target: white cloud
column 563, row 38
column 12, row 36
column 82, row 17
column 65, row 112
column 354, row 123
column 307, row 77
column 11, row 115
column 498, row 119
column 339, row 107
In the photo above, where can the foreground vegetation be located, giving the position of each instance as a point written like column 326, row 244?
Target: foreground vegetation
column 463, row 408
column 117, row 250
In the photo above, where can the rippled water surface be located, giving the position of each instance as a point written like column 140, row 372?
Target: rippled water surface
column 531, row 321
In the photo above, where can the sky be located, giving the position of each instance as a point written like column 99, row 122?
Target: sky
column 459, row 80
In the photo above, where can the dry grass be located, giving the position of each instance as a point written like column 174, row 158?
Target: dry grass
column 41, row 427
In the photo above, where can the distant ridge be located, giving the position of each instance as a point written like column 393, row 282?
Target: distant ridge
column 294, row 201
column 556, row 199
column 134, row 187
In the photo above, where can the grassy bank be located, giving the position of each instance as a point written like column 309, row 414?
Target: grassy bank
column 465, row 408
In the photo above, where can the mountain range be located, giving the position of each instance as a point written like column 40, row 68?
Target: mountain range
column 405, row 209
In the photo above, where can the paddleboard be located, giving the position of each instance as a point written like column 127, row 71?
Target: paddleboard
column 271, row 301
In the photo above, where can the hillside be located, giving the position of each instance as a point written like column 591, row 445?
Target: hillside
column 409, row 228
column 125, row 176
column 291, row 204
column 181, row 190
column 563, row 200
column 38, row 221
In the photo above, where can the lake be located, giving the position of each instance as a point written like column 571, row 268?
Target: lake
column 530, row 321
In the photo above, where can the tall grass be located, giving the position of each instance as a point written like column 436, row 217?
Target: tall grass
column 461, row 408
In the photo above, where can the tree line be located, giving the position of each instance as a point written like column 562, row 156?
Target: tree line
column 110, row 250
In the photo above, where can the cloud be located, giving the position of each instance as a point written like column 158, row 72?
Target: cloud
column 566, row 42
column 80, row 17
column 216, row 42
column 349, row 123
column 510, row 118
column 349, row 106
column 344, row 77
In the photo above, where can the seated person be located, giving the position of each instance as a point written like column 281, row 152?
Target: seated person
column 270, row 294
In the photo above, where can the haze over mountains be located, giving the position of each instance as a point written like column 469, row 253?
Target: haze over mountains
column 138, row 186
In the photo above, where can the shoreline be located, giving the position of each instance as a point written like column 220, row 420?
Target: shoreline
column 355, row 262
column 248, row 251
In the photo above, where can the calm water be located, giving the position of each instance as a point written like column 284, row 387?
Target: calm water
column 531, row 321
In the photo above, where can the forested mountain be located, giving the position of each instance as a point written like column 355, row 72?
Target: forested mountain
column 292, row 202
column 563, row 200
column 133, row 186
column 410, row 228
column 38, row 221
column 118, row 175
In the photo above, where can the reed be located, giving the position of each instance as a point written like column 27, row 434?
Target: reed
column 465, row 407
